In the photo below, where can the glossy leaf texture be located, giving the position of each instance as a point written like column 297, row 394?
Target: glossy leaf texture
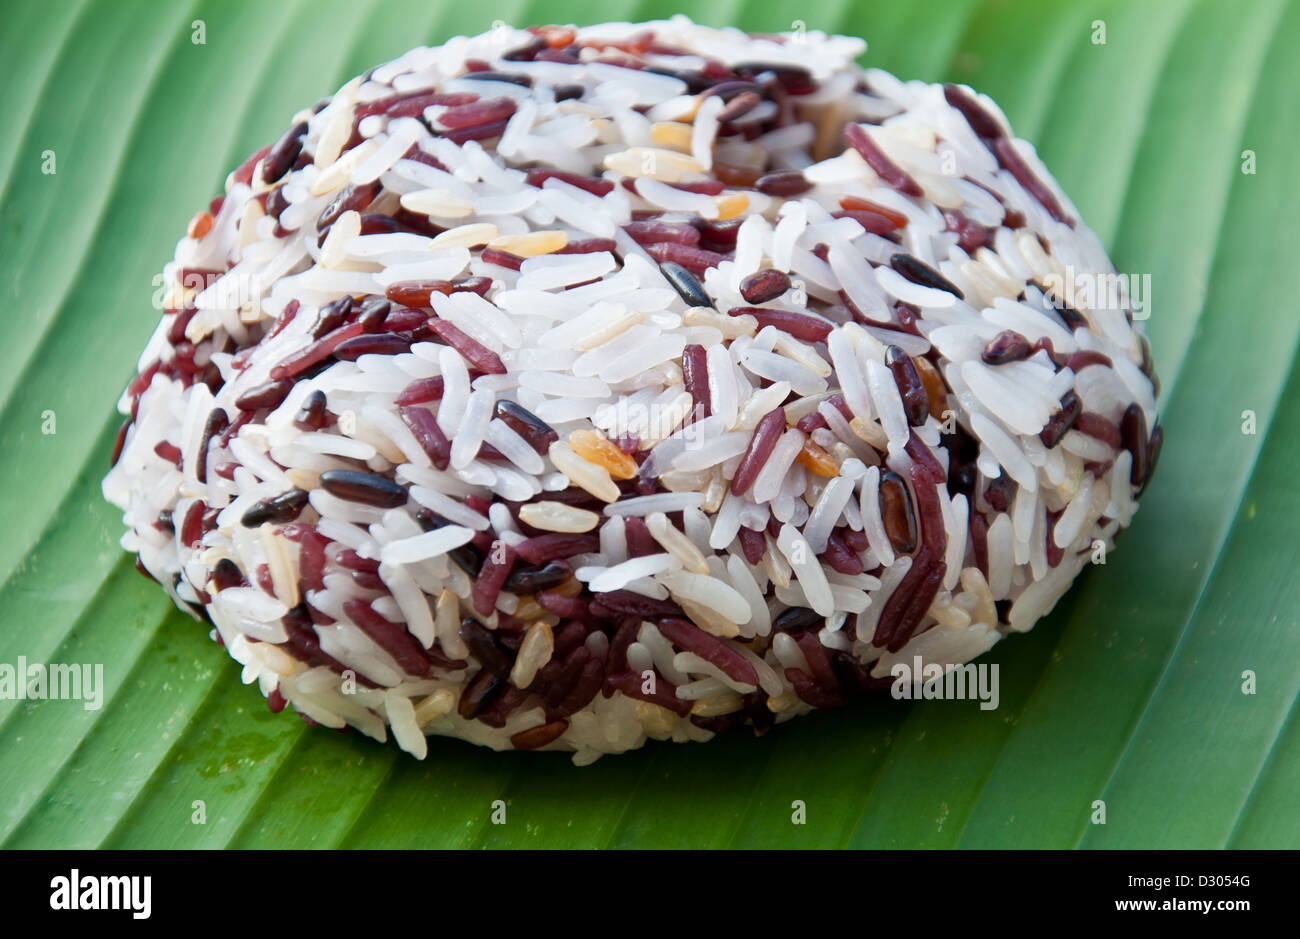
column 1130, row 693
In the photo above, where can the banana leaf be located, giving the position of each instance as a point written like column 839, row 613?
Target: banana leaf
column 1163, row 685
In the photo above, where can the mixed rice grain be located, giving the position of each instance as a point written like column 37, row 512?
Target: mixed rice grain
column 563, row 388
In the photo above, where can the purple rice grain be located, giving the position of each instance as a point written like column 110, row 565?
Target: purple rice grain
column 1054, row 553
column 373, row 224
column 784, row 184
column 687, row 636
column 655, row 232
column 391, row 637
column 695, row 378
column 556, row 546
column 478, row 132
column 616, row 657
column 871, row 221
column 512, row 697
column 119, row 439
column 917, row 607
column 1062, row 421
column 765, row 285
column 275, row 701
column 896, row 606
column 303, row 643
column 739, row 106
column 1133, row 436
column 411, row 104
column 896, row 512
column 924, row 462
column 527, row 52
column 739, row 177
column 1100, row 428
column 415, row 293
column 351, row 198
column 479, row 693
column 583, row 691
column 373, row 344
column 168, row 451
column 979, row 540
column 276, row 202
column 810, row 692
column 180, row 321
column 283, row 153
column 838, row 557
column 484, row 647
column 1011, row 161
column 589, row 246
column 311, row 416
column 424, row 427
column 492, row 576
column 226, row 574
column 1006, row 346
column 793, row 79
column 539, row 434
column 977, row 117
column 372, row 313
column 916, row 403
column 999, row 492
column 691, row 258
column 483, row 111
column 1154, row 445
column 592, row 184
column 1084, row 358
column 268, row 395
column 354, row 562
column 560, row 675
column 415, row 222
column 855, row 539
column 478, row 355
column 404, row 320
column 365, row 580
column 929, row 514
column 664, row 693
column 760, row 447
column 315, row 353
column 626, row 602
column 819, row 663
column 970, row 235
column 535, row 737
column 884, row 167
column 640, row 543
column 728, row 91
column 567, row 608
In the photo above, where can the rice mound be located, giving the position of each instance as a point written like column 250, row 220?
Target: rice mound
column 560, row 388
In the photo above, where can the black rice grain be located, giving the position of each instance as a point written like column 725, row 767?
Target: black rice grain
column 277, row 509
column 366, row 488
column 921, row 273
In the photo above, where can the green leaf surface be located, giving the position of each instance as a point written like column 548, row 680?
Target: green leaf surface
column 1130, row 692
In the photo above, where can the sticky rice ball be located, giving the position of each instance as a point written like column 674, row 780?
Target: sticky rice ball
column 563, row 388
